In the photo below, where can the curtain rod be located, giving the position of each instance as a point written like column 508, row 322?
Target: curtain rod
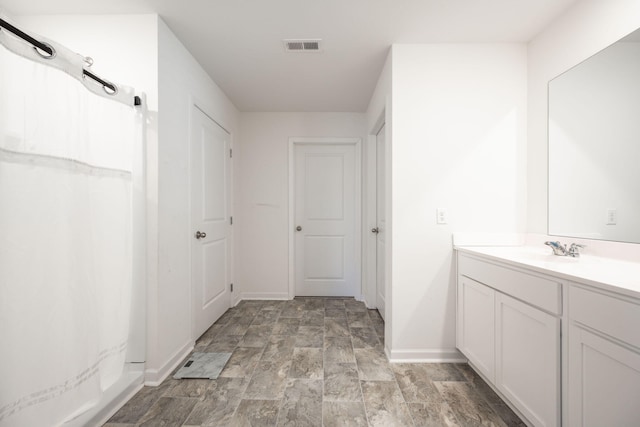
column 52, row 53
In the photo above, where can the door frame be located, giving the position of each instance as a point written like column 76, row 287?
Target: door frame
column 370, row 240
column 357, row 143
column 195, row 103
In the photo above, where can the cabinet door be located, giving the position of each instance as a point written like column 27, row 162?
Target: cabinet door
column 604, row 382
column 528, row 360
column 476, row 326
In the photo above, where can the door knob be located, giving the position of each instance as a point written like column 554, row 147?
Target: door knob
column 298, row 228
column 375, row 230
column 200, row 235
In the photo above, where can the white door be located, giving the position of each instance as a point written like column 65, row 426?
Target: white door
column 210, row 225
column 325, row 259
column 380, row 221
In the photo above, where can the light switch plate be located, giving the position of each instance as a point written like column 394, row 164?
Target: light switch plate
column 441, row 215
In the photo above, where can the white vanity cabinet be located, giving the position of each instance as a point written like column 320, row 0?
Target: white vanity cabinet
column 508, row 326
column 604, row 358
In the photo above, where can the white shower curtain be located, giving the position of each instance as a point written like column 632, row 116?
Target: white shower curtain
column 65, row 241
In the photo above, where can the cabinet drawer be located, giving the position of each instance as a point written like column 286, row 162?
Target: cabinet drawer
column 537, row 291
column 618, row 318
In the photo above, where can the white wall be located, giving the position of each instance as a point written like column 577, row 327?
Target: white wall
column 458, row 142
column 181, row 81
column 262, row 211
column 583, row 30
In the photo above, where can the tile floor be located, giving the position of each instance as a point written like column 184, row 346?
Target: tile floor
column 314, row 362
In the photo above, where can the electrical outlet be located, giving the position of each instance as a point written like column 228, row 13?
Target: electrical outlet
column 441, row 216
column 612, row 216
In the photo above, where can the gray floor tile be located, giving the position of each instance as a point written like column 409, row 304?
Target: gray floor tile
column 312, row 318
column 469, row 408
column 268, row 380
column 414, row 382
column 219, row 404
column 286, row 326
column 435, row 413
column 196, row 388
column 302, row 404
column 206, row 338
column 140, row 403
column 372, row 365
column 358, row 319
column 443, row 372
column 223, row 344
column 256, row 413
column 353, row 305
column 334, row 303
column 242, row 363
column 256, row 336
column 305, row 368
column 341, row 382
column 343, row 414
column 168, row 411
column 384, row 404
column 335, row 327
column 313, row 304
column 338, row 350
column 335, row 313
column 279, row 347
column 486, row 392
column 293, row 309
column 266, row 317
column 307, row 363
column 310, row 336
column 365, row 338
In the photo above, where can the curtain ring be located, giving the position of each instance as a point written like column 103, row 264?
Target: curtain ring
column 48, row 55
column 109, row 88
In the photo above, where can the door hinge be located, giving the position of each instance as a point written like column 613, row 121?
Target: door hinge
column 232, row 287
column 231, row 220
column 230, row 152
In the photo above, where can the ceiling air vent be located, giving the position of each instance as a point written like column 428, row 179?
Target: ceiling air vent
column 305, row 45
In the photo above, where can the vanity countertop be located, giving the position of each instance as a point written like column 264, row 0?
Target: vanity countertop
column 605, row 273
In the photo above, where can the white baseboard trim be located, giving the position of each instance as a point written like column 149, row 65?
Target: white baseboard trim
column 369, row 306
column 112, row 399
column 265, row 295
column 439, row 355
column 154, row 377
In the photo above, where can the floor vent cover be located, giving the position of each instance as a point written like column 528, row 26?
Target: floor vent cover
column 203, row 365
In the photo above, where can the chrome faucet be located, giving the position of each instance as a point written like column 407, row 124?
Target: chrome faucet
column 574, row 250
column 561, row 250
column 558, row 248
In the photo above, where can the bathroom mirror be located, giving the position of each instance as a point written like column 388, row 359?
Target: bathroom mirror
column 594, row 146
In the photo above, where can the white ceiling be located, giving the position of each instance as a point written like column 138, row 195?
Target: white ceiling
column 239, row 42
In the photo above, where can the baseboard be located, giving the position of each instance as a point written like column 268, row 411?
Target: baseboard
column 112, row 399
column 154, row 377
column 265, row 295
column 425, row 356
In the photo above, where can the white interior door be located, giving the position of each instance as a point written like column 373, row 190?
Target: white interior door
column 210, row 225
column 380, row 221
column 325, row 256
